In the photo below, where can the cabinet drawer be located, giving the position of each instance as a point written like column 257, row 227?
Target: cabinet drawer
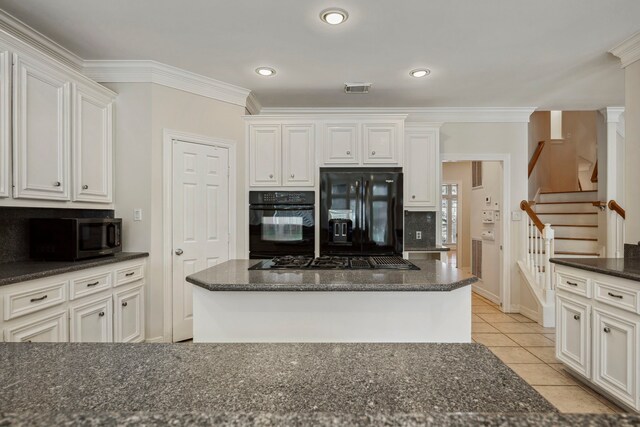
column 89, row 285
column 23, row 302
column 129, row 274
column 574, row 284
column 51, row 328
column 615, row 296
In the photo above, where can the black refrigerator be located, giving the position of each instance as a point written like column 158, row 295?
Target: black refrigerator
column 361, row 211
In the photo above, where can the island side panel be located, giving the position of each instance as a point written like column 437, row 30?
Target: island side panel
column 282, row 317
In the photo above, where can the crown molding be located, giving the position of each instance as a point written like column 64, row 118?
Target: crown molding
column 22, row 34
column 253, row 105
column 628, row 51
column 612, row 114
column 146, row 71
column 427, row 114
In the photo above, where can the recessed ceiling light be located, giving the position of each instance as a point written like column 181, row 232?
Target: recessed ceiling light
column 420, row 72
column 334, row 16
column 265, row 71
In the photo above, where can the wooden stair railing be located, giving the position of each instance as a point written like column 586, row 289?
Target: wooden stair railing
column 536, row 156
column 614, row 206
column 594, row 174
column 527, row 207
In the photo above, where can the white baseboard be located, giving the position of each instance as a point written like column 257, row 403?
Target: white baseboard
column 531, row 314
column 488, row 295
column 155, row 339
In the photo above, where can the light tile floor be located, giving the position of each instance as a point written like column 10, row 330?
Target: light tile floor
column 528, row 349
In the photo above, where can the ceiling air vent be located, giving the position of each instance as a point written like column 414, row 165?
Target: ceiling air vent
column 357, row 87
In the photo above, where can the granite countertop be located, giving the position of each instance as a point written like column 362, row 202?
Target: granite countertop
column 234, row 276
column 319, row 419
column 29, row 270
column 626, row 268
column 278, row 379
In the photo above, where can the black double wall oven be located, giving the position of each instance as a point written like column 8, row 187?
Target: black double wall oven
column 281, row 223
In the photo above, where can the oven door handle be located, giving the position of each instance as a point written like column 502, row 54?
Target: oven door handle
column 281, row 208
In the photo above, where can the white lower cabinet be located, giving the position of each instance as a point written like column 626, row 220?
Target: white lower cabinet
column 615, row 357
column 597, row 334
column 92, row 321
column 573, row 334
column 48, row 328
column 103, row 304
column 128, row 318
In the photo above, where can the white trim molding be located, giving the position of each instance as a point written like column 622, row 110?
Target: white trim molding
column 146, row 71
column 427, row 114
column 628, row 51
column 253, row 105
column 612, row 114
column 24, row 34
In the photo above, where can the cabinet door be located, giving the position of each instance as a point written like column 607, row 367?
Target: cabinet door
column 380, row 143
column 265, row 155
column 341, row 143
column 572, row 343
column 92, row 321
column 614, row 355
column 129, row 315
column 51, row 328
column 421, row 169
column 41, row 136
column 298, row 154
column 5, row 129
column 92, row 146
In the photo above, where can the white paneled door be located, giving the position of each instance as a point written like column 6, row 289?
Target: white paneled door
column 200, row 222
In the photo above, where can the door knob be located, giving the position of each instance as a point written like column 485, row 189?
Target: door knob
column 271, row 176
column 293, row 175
column 413, row 197
column 124, row 304
column 101, row 314
column 179, row 252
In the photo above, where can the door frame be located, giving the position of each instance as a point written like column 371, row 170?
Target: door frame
column 169, row 136
column 460, row 224
column 507, row 259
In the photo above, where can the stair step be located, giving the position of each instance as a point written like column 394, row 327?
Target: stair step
column 568, row 196
column 568, row 192
column 586, row 239
column 569, row 253
column 567, row 213
column 562, row 218
column 567, row 207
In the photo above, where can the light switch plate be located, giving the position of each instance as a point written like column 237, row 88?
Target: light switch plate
column 516, row 216
column 137, row 214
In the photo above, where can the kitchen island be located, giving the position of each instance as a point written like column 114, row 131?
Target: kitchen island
column 233, row 304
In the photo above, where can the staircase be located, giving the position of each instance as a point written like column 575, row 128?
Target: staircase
column 574, row 219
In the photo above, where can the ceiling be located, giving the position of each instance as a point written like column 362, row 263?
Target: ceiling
column 483, row 53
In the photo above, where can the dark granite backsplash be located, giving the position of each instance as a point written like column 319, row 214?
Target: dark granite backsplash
column 632, row 251
column 14, row 227
column 419, row 221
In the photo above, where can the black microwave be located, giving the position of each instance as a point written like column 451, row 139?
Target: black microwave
column 71, row 239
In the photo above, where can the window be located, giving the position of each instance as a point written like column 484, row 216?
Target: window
column 476, row 174
column 449, row 214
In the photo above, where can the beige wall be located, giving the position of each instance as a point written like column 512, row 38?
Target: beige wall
column 557, row 168
column 508, row 139
column 453, row 172
column 143, row 111
column 632, row 153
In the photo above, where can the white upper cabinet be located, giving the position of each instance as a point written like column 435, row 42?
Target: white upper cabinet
column 380, row 142
column 5, row 128
column 341, row 143
column 421, row 166
column 265, row 147
column 298, row 155
column 41, row 135
column 92, row 145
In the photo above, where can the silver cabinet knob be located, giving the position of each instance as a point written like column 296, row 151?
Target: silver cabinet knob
column 124, row 304
column 57, row 184
column 607, row 329
column 373, row 153
column 348, row 153
column 413, row 197
column 270, row 176
column 85, row 187
column 293, row 175
column 576, row 316
column 101, row 314
column 179, row 252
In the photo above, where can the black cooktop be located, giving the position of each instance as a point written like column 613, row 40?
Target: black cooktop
column 335, row 263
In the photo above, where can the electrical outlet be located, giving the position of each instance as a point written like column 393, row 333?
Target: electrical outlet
column 418, row 235
column 137, row 214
